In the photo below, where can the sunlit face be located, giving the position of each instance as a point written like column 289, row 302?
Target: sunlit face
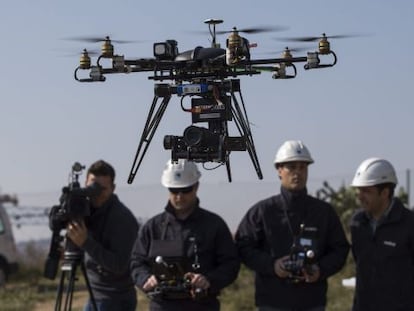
column 293, row 175
column 372, row 200
column 108, row 188
column 184, row 202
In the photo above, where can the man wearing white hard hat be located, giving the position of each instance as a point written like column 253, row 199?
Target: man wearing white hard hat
column 382, row 241
column 184, row 256
column 292, row 240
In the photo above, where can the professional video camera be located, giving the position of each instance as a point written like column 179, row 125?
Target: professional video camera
column 302, row 257
column 74, row 206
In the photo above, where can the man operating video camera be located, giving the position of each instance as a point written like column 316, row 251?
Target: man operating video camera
column 106, row 236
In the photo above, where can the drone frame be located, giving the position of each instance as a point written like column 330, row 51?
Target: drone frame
column 200, row 66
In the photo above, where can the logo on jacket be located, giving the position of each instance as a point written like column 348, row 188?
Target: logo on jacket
column 390, row 243
column 311, row 229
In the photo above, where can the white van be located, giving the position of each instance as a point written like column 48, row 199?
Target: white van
column 8, row 250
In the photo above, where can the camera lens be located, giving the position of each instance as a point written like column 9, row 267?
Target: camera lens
column 193, row 135
column 169, row 141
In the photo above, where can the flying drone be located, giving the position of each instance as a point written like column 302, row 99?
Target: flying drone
column 209, row 77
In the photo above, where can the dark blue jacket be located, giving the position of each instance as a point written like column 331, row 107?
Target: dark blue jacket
column 215, row 252
column 384, row 261
column 112, row 230
column 266, row 233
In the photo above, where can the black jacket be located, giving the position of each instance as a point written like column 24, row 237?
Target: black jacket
column 267, row 232
column 215, row 249
column 384, row 261
column 112, row 230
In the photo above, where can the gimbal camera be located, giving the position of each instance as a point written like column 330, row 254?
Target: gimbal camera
column 211, row 103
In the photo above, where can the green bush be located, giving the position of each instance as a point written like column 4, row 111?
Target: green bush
column 239, row 296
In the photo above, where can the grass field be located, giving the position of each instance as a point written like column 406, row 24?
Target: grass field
column 33, row 292
column 29, row 290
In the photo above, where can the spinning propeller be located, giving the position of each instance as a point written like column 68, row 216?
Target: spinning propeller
column 93, row 39
column 254, row 30
column 324, row 45
column 317, row 38
column 286, row 52
column 107, row 49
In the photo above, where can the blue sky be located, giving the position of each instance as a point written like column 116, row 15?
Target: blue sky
column 362, row 107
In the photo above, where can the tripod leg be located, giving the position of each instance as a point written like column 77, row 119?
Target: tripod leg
column 88, row 285
column 70, row 288
column 59, row 294
column 153, row 120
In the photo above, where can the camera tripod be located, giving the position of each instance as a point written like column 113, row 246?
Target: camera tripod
column 71, row 260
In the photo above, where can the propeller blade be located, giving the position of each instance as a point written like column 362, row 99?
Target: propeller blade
column 299, row 39
column 93, row 39
column 255, row 30
column 78, row 53
column 264, row 29
column 90, row 52
column 291, row 50
column 344, row 36
column 89, row 39
column 317, row 38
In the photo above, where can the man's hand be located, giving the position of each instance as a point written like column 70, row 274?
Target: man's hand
column 77, row 232
column 312, row 275
column 150, row 283
column 280, row 269
column 198, row 280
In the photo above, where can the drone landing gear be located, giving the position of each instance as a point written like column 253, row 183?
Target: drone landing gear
column 243, row 125
column 153, row 120
column 238, row 114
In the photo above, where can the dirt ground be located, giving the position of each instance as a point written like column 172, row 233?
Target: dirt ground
column 79, row 299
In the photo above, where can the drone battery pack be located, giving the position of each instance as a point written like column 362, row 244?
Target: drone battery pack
column 208, row 109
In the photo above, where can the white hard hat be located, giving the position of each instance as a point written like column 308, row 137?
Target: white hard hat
column 374, row 171
column 293, row 150
column 180, row 174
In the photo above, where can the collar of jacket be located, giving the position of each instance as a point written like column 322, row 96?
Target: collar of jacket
column 104, row 207
column 169, row 209
column 293, row 198
column 394, row 214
